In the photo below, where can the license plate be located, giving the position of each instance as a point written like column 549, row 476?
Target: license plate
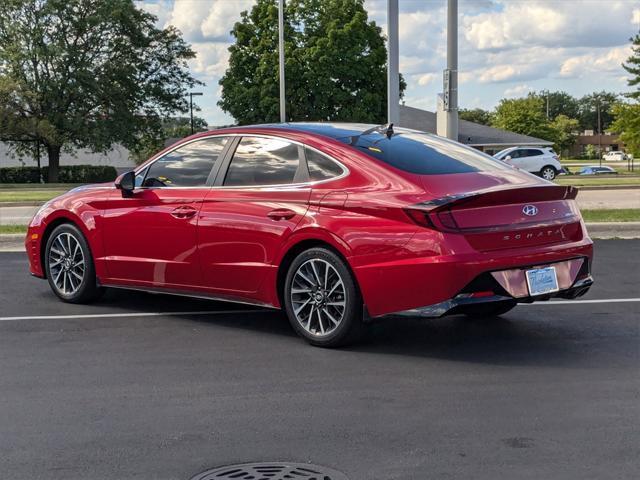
column 542, row 280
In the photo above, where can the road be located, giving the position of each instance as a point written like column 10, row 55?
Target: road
column 596, row 199
column 122, row 390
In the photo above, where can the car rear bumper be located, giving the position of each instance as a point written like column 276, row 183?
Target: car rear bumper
column 442, row 283
column 464, row 302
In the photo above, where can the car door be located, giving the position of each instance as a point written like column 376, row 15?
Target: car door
column 150, row 237
column 257, row 201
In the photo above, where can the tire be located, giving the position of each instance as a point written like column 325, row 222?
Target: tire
column 330, row 290
column 490, row 309
column 548, row 173
column 69, row 265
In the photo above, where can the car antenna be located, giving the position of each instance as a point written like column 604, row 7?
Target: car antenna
column 386, row 129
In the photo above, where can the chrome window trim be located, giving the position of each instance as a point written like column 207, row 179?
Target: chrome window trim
column 345, row 170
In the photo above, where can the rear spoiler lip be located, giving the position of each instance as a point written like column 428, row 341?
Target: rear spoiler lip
column 449, row 201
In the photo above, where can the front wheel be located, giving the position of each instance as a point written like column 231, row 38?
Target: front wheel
column 69, row 265
column 321, row 299
column 548, row 173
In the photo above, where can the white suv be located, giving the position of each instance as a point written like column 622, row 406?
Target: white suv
column 614, row 156
column 542, row 161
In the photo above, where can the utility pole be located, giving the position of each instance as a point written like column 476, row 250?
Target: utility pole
column 393, row 54
column 599, row 131
column 191, row 95
column 451, row 74
column 283, row 112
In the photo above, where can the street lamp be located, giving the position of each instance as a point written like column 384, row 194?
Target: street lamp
column 191, row 95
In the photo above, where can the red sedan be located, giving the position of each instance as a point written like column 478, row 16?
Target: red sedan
column 334, row 223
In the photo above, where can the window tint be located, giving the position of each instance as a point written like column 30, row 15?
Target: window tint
column 187, row 166
column 320, row 166
column 533, row 153
column 263, row 161
column 425, row 154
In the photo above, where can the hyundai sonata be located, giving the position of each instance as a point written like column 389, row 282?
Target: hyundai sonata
column 334, row 223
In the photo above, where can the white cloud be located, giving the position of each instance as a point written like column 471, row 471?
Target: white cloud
column 609, row 61
column 517, row 91
column 427, row 78
column 635, row 17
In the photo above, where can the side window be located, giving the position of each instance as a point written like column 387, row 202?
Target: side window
column 320, row 167
column 263, row 161
column 514, row 154
column 533, row 153
column 187, row 166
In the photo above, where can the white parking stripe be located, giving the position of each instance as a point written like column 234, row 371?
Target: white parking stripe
column 132, row 314
column 573, row 302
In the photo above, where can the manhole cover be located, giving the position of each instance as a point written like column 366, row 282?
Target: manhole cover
column 271, row 471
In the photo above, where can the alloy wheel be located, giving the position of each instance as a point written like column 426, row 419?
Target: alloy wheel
column 548, row 174
column 318, row 297
column 66, row 263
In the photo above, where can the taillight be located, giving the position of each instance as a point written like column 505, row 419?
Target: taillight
column 421, row 217
column 438, row 220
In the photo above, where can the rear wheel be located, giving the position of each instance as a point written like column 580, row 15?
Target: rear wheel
column 548, row 173
column 69, row 265
column 322, row 300
column 493, row 309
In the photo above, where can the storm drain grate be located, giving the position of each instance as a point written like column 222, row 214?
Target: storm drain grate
column 271, row 471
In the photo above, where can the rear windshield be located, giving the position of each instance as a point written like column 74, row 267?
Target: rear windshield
column 424, row 154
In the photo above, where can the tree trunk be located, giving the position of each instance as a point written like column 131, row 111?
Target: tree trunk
column 53, row 152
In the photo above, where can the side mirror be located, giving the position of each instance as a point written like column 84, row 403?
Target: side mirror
column 126, row 183
column 507, row 158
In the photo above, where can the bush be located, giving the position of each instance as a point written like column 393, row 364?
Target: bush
column 66, row 174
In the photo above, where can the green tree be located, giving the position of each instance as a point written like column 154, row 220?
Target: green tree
column 476, row 115
column 87, row 73
column 171, row 128
column 589, row 105
column 627, row 124
column 560, row 103
column 335, row 64
column 565, row 132
column 633, row 67
column 523, row 115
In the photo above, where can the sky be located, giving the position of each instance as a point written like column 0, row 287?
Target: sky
column 507, row 48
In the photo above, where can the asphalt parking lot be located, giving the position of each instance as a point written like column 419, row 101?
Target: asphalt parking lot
column 124, row 390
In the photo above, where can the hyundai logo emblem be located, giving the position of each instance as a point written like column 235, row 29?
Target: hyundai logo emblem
column 530, row 210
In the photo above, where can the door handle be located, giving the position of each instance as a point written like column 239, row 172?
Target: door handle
column 281, row 214
column 184, row 211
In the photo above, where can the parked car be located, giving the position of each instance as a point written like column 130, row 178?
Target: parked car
column 593, row 170
column 542, row 161
column 334, row 223
column 614, row 156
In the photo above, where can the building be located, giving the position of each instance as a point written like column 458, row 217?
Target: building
column 487, row 139
column 601, row 143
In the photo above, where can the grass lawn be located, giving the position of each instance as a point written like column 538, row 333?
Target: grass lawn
column 29, row 195
column 598, row 180
column 13, row 229
column 612, row 215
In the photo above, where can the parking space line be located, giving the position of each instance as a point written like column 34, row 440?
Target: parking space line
column 573, row 302
column 128, row 314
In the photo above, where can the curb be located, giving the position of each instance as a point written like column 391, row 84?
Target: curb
column 609, row 187
column 21, row 204
column 14, row 242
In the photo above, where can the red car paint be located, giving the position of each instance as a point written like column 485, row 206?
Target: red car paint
column 411, row 240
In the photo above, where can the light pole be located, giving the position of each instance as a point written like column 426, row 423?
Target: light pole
column 283, row 112
column 191, row 95
column 451, row 74
column 393, row 75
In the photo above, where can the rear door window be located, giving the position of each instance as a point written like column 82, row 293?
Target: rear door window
column 263, row 161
